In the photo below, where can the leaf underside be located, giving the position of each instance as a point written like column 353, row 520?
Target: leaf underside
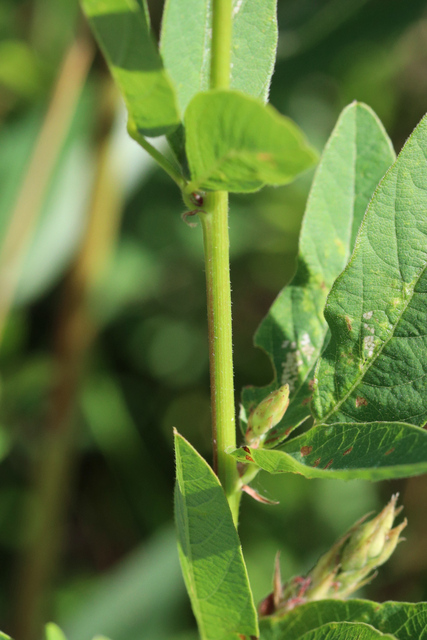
column 186, row 46
column 404, row 621
column 210, row 552
column 122, row 30
column 294, row 331
column 235, row 143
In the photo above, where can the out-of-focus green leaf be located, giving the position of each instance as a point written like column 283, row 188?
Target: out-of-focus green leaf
column 61, row 220
column 236, row 143
column 374, row 451
column 293, row 333
column 123, row 31
column 19, row 69
column 134, row 595
column 375, row 365
column 209, row 549
column 53, row 632
column 186, row 46
column 405, row 621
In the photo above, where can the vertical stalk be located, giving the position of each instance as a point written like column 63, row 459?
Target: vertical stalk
column 222, row 24
column 56, row 125
column 216, row 244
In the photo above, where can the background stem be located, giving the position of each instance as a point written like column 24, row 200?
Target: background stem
column 28, row 206
column 74, row 335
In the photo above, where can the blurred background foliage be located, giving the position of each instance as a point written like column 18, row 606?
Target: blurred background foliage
column 102, row 314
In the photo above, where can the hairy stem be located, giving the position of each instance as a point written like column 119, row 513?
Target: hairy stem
column 216, row 243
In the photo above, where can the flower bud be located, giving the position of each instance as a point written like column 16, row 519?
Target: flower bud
column 349, row 564
column 268, row 413
column 368, row 542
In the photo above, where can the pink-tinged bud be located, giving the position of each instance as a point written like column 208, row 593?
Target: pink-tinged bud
column 268, row 413
column 348, row 565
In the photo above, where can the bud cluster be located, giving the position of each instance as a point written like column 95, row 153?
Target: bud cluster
column 346, row 567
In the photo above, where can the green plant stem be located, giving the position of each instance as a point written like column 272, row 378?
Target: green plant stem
column 216, row 244
column 161, row 160
column 222, row 24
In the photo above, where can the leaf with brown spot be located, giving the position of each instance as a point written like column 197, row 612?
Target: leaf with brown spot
column 295, row 332
column 370, row 445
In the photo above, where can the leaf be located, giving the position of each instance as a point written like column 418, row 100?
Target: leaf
column 209, row 550
column 293, row 333
column 53, row 632
column 375, row 365
column 405, row 621
column 331, row 631
column 375, row 451
column 345, row 631
column 186, row 46
column 133, row 595
column 236, row 143
column 123, row 32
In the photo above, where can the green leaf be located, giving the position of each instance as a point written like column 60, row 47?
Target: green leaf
column 209, row 549
column 235, row 143
column 186, row 46
column 123, row 32
column 375, row 365
column 293, row 333
column 405, row 621
column 53, row 632
column 375, row 451
column 345, row 631
column 331, row 631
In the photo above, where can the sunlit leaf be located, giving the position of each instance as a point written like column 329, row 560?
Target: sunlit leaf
column 293, row 333
column 345, row 631
column 186, row 46
column 53, row 632
column 405, row 621
column 375, row 451
column 375, row 367
column 123, row 32
column 236, row 143
column 210, row 552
